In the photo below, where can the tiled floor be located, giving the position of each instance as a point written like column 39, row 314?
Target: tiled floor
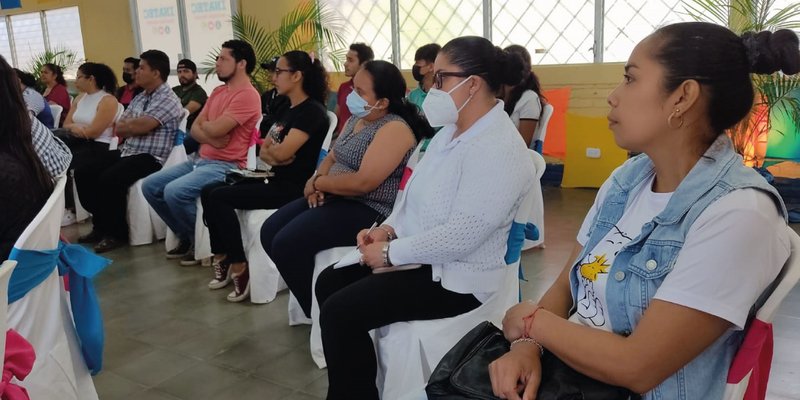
column 168, row 337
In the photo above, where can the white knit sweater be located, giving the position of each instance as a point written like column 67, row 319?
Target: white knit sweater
column 457, row 208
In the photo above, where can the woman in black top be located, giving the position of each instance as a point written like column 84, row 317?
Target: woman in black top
column 292, row 148
column 25, row 182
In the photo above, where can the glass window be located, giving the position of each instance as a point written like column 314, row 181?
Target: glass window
column 627, row 22
column 554, row 32
column 28, row 38
column 366, row 21
column 64, row 33
column 423, row 22
column 5, row 46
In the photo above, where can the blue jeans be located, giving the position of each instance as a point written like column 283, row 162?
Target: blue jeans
column 173, row 192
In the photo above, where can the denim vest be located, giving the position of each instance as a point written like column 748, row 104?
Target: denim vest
column 641, row 266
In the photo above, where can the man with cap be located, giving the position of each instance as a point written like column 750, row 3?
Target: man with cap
column 192, row 96
column 272, row 103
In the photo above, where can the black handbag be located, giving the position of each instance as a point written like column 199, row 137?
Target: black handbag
column 463, row 373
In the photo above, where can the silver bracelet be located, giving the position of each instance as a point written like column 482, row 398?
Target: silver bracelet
column 386, row 261
column 529, row 340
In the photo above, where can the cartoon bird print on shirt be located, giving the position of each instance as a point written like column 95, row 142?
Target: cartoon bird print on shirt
column 589, row 306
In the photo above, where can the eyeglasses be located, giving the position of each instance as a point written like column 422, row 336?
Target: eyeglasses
column 438, row 77
column 279, row 70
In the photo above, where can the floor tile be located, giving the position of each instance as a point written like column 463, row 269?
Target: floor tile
column 155, row 367
column 111, row 386
column 201, row 381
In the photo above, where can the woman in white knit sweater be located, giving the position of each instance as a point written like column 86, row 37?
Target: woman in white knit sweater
column 453, row 218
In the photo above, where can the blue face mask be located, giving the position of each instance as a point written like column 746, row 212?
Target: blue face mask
column 358, row 106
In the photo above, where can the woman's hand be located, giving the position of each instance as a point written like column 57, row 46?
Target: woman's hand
column 372, row 254
column 78, row 130
column 514, row 323
column 365, row 237
column 518, row 371
column 315, row 199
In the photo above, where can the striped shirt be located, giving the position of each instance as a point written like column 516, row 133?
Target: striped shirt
column 163, row 106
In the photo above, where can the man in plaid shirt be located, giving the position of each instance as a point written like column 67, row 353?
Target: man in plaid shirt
column 55, row 155
column 148, row 127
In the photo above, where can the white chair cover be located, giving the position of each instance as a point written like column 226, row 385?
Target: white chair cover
column 252, row 159
column 787, row 279
column 265, row 280
column 115, row 139
column 5, row 275
column 544, row 120
column 56, row 110
column 44, row 318
column 537, row 210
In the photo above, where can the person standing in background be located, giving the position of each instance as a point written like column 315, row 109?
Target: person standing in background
column 358, row 54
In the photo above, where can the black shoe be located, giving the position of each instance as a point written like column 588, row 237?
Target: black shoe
column 92, row 237
column 180, row 251
column 107, row 244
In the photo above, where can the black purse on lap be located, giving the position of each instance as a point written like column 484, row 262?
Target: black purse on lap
column 463, row 373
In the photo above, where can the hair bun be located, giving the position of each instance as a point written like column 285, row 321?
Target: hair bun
column 769, row 52
column 509, row 67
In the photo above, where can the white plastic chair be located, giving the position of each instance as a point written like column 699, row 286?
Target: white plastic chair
column 44, row 317
column 537, row 211
column 544, row 120
column 144, row 224
column 759, row 333
column 252, row 160
column 56, row 110
column 5, row 275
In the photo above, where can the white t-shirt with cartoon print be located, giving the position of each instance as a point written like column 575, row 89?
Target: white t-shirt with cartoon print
column 732, row 252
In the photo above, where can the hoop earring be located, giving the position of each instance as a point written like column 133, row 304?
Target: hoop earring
column 671, row 116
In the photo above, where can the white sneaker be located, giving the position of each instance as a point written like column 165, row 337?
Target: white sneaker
column 69, row 218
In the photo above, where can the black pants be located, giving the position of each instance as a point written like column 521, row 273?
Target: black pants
column 84, row 152
column 294, row 235
column 354, row 301
column 220, row 202
column 103, row 187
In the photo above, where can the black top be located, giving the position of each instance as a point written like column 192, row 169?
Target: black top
column 310, row 117
column 19, row 206
column 273, row 105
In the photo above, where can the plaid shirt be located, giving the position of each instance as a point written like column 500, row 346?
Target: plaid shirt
column 55, row 155
column 163, row 106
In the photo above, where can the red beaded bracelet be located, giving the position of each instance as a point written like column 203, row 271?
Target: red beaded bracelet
column 529, row 322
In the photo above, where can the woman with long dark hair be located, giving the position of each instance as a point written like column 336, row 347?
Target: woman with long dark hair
column 682, row 239
column 524, row 101
column 25, row 181
column 357, row 182
column 291, row 147
column 55, row 92
column 452, row 220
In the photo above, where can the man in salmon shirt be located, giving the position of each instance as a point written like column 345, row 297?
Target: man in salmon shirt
column 223, row 128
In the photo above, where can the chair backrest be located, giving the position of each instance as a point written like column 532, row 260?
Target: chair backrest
column 787, row 279
column 43, row 232
column 539, row 163
column 333, row 121
column 544, row 120
column 180, row 135
column 114, row 144
column 5, row 275
column 56, row 110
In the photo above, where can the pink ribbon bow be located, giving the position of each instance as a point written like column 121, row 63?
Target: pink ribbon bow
column 18, row 363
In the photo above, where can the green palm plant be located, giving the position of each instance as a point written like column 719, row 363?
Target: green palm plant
column 310, row 27
column 778, row 94
column 65, row 58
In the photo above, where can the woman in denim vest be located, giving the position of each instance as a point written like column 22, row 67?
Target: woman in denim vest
column 682, row 239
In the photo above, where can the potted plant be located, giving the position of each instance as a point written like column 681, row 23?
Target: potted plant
column 310, row 27
column 778, row 95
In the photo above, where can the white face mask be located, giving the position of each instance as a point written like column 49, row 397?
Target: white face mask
column 439, row 107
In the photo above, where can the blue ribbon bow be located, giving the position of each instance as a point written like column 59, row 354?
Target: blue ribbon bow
column 34, row 266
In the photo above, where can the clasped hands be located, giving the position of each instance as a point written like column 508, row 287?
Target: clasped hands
column 517, row 374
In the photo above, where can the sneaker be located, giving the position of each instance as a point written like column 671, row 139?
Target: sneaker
column 222, row 275
column 92, row 237
column 188, row 259
column 180, row 251
column 69, row 218
column 107, row 244
column 241, row 286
